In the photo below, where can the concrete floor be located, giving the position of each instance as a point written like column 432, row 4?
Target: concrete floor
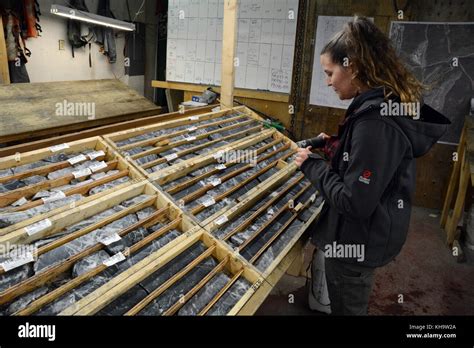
column 425, row 273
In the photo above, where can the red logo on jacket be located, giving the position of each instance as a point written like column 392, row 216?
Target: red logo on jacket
column 365, row 177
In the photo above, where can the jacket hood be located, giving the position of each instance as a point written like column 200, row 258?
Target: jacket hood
column 422, row 131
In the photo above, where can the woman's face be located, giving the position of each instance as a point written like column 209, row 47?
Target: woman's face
column 339, row 78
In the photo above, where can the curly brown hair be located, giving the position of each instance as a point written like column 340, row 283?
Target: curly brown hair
column 373, row 59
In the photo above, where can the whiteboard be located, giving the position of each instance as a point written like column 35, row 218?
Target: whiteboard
column 321, row 94
column 265, row 43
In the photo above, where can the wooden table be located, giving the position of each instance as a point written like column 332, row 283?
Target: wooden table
column 29, row 110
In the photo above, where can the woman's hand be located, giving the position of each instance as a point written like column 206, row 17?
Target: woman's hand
column 325, row 136
column 302, row 156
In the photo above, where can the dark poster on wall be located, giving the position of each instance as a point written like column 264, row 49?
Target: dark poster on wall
column 441, row 55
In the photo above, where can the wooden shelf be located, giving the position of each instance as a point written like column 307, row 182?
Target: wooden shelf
column 238, row 92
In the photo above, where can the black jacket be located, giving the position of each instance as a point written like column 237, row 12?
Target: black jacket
column 368, row 187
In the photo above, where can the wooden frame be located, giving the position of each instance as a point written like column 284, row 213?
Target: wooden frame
column 113, row 101
column 164, row 209
column 163, row 144
column 212, row 223
column 96, row 143
column 238, row 92
column 97, row 300
column 230, row 259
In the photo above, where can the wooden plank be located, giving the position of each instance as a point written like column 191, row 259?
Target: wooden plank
column 238, row 92
column 453, row 181
column 464, row 182
column 229, row 46
column 33, row 109
column 4, row 72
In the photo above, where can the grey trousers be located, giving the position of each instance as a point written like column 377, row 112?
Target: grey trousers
column 349, row 287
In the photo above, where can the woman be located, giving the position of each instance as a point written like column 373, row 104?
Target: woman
column 369, row 178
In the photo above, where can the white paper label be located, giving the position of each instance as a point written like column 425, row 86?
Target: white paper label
column 15, row 263
column 111, row 239
column 95, row 154
column 60, row 147
column 208, row 202
column 171, row 157
column 194, row 118
column 191, row 138
column 20, row 202
column 216, row 182
column 192, row 129
column 114, row 259
column 38, row 227
column 221, row 167
column 222, row 220
column 81, row 173
column 313, row 198
column 77, row 159
column 54, row 197
column 98, row 166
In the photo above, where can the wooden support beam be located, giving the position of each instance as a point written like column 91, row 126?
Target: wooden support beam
column 4, row 73
column 228, row 53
